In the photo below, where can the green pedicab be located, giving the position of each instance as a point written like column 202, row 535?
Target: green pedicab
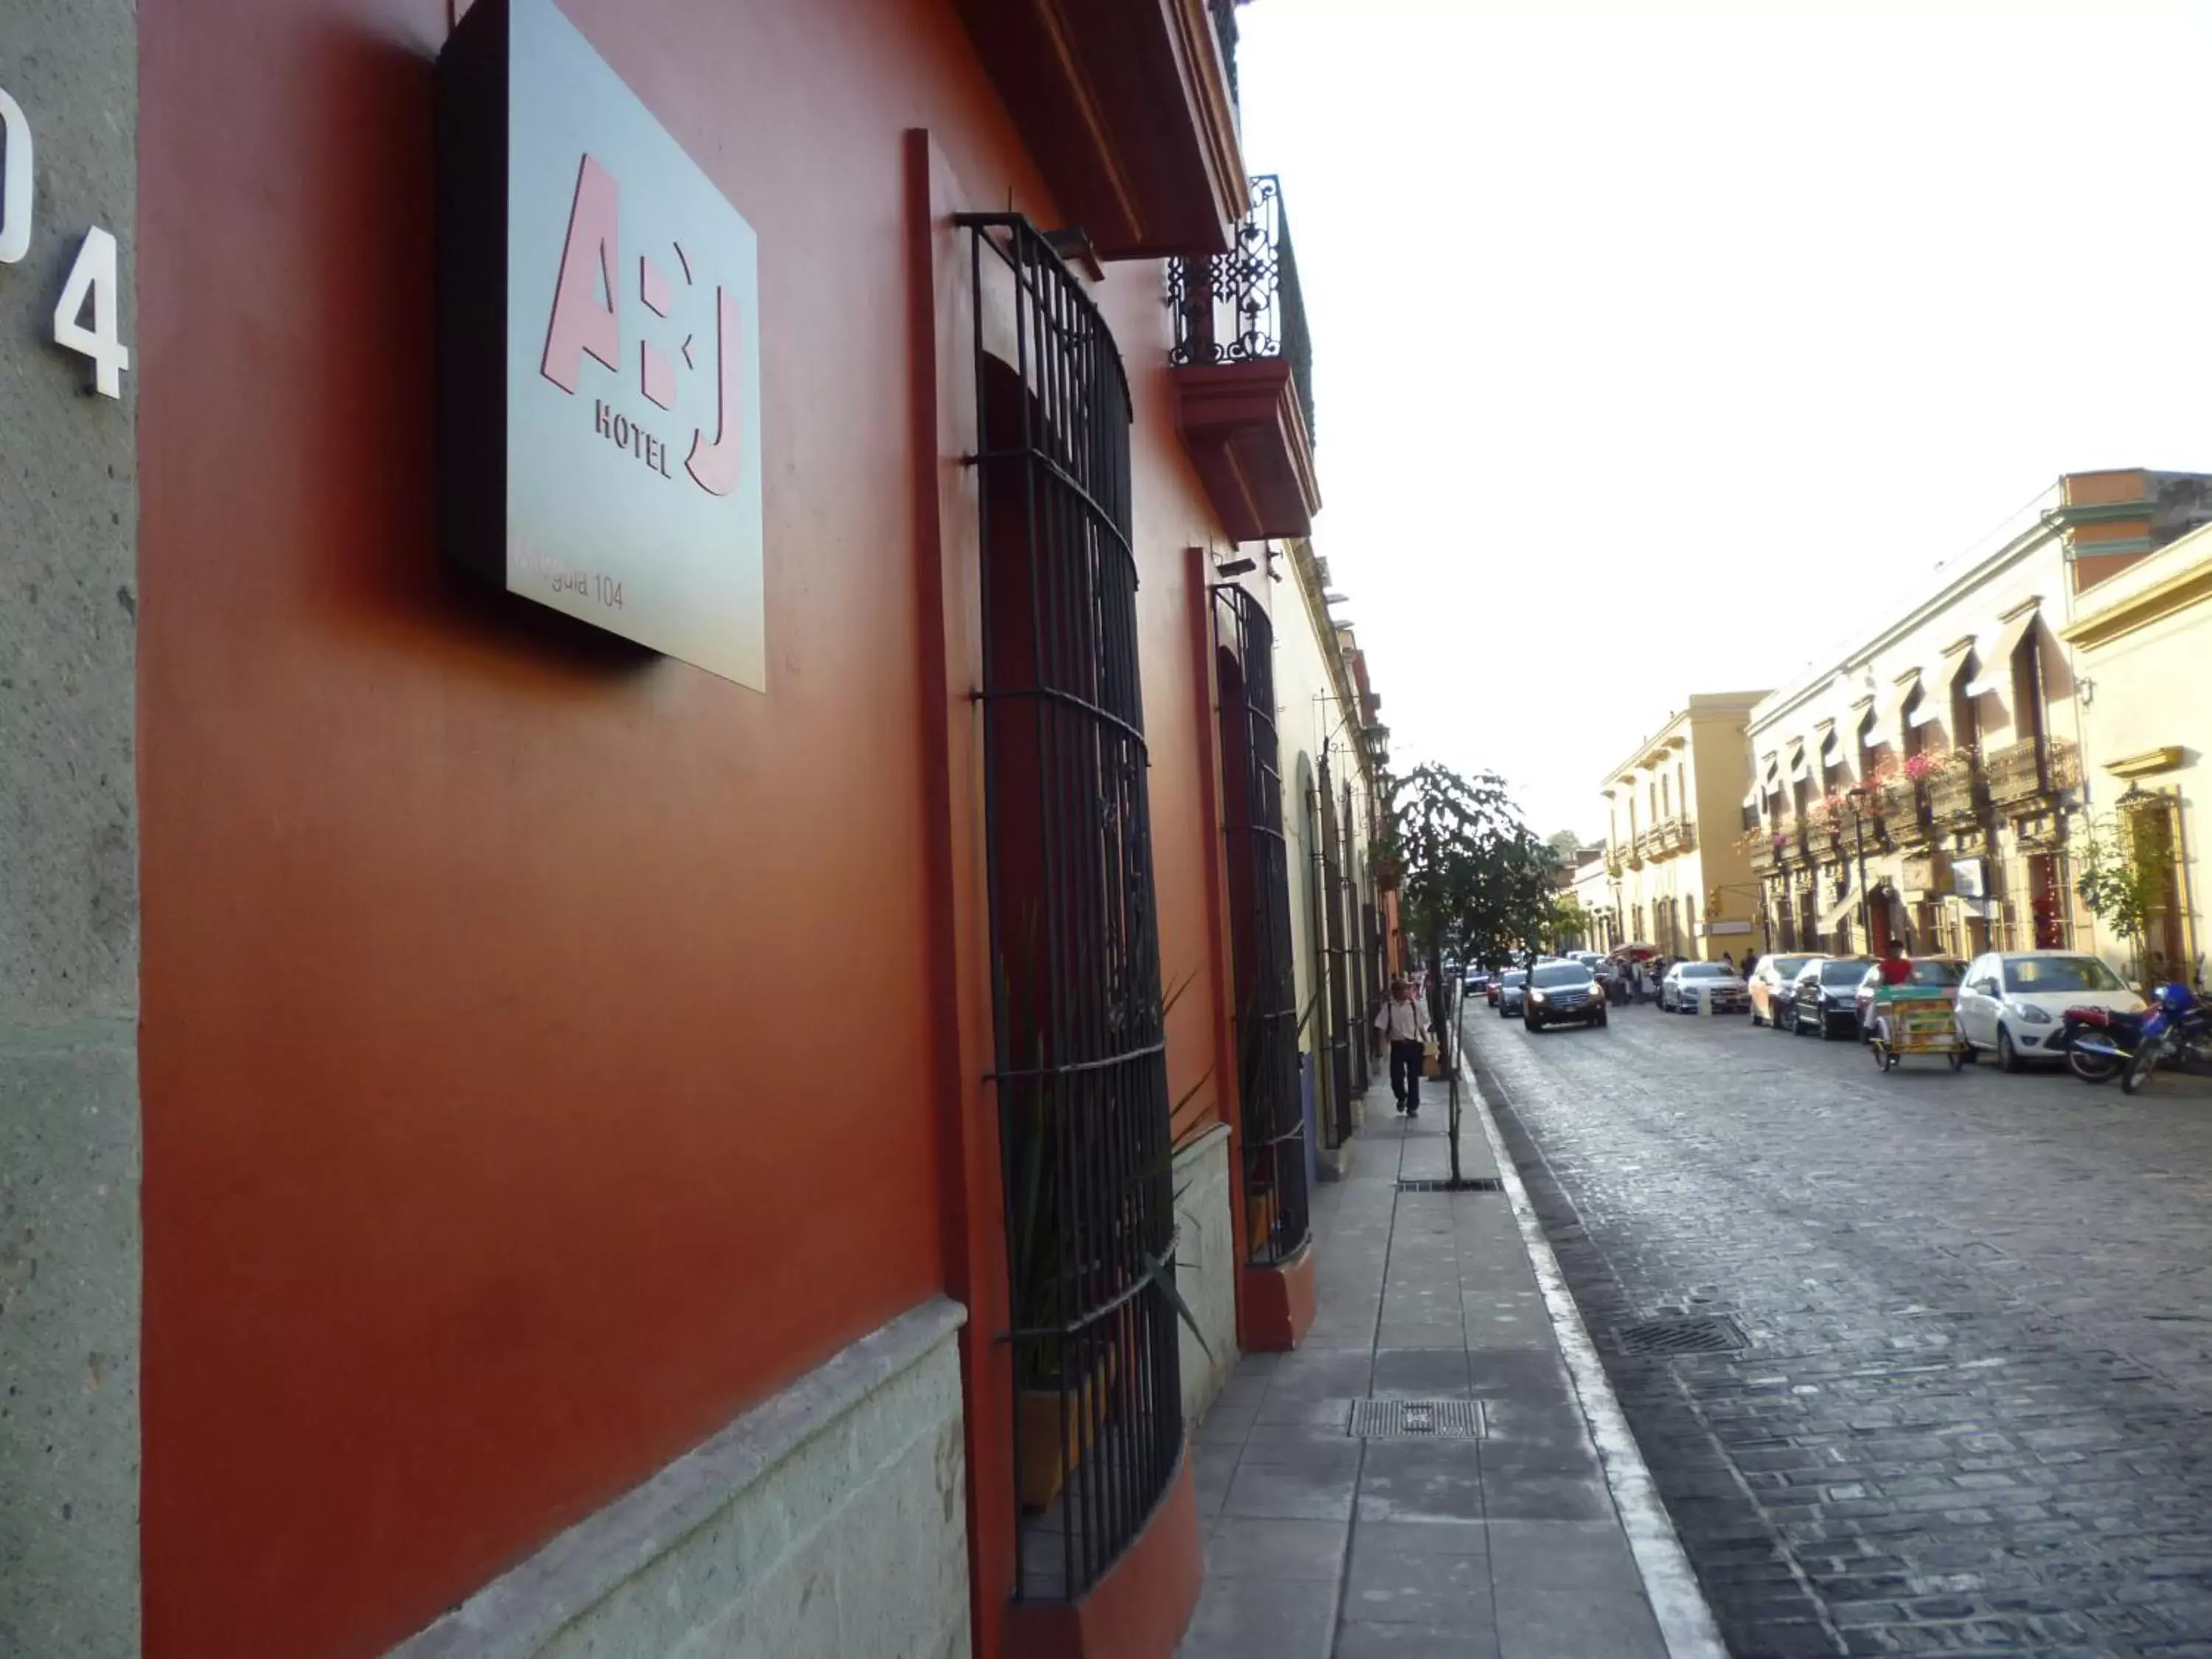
column 1913, row 1019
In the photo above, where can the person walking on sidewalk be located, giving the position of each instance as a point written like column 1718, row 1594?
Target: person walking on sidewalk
column 1405, row 1026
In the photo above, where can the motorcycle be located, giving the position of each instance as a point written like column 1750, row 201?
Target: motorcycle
column 2099, row 1042
column 2176, row 1034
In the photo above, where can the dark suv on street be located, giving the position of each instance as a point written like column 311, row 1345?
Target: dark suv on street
column 1825, row 1003
column 1562, row 993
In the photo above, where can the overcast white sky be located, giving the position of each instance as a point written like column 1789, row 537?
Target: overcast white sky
column 1657, row 347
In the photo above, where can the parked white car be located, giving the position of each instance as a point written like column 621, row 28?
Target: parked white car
column 2013, row 1002
column 1678, row 992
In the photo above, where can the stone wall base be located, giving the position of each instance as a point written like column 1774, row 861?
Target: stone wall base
column 828, row 1522
column 1205, row 1268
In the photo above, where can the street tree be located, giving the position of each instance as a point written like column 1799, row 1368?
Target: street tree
column 1564, row 844
column 2121, row 883
column 1474, row 883
column 1569, row 924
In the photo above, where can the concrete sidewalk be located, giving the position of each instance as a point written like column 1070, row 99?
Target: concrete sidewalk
column 1521, row 1542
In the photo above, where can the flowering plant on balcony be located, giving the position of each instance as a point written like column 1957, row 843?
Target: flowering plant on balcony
column 1918, row 767
column 1959, row 757
column 1751, row 840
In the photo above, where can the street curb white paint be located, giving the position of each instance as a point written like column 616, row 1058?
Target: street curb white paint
column 1686, row 1620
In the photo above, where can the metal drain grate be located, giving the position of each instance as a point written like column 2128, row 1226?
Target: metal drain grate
column 1416, row 1420
column 1479, row 1184
column 1700, row 1333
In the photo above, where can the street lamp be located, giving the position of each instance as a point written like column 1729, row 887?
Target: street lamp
column 1858, row 798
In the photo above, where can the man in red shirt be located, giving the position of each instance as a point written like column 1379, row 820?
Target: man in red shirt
column 1894, row 968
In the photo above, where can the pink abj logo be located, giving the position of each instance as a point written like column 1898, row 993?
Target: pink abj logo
column 587, row 321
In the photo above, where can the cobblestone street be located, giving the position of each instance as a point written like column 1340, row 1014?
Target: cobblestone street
column 1975, row 1410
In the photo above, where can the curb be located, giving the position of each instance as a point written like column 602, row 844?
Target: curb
column 1685, row 1620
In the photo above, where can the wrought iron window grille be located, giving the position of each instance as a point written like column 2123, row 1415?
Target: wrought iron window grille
column 1265, row 1011
column 1337, row 952
column 1079, row 1063
column 1245, row 305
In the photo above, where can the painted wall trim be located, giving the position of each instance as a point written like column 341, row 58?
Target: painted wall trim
column 2178, row 592
column 517, row 1613
column 2148, row 762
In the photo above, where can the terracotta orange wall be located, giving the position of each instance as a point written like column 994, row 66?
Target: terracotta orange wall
column 1171, row 517
column 536, row 1038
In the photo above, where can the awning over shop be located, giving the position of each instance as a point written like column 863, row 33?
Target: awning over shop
column 1893, row 706
column 1996, row 661
column 1932, row 709
column 1955, row 663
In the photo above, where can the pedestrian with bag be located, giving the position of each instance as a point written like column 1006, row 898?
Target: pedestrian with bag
column 1405, row 1025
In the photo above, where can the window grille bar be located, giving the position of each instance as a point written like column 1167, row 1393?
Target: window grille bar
column 1337, row 953
column 1265, row 1014
column 1078, row 1056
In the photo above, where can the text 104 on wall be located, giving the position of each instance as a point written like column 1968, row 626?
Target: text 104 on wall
column 87, row 314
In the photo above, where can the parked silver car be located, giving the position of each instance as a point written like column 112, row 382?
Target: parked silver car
column 1679, row 991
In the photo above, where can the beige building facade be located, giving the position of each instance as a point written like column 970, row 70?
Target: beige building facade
column 1933, row 783
column 1330, row 738
column 1676, row 871
column 2142, row 640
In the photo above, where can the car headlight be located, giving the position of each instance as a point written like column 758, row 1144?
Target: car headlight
column 2030, row 1014
column 1538, row 995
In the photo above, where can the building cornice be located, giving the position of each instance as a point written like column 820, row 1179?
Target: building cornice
column 2043, row 528
column 2128, row 613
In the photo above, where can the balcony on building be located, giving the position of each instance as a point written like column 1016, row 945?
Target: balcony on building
column 1954, row 792
column 1242, row 366
column 2024, row 777
column 1766, row 856
column 1130, row 111
column 1904, row 806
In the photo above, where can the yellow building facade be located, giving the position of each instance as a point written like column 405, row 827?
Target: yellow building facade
column 2141, row 641
column 1935, row 782
column 1677, row 873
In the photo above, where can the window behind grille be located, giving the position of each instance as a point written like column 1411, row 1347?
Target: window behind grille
column 1265, row 1011
column 1080, row 1059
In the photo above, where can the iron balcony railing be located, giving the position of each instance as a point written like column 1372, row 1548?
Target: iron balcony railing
column 1225, row 29
column 2019, row 773
column 1954, row 794
column 1244, row 306
column 1904, row 808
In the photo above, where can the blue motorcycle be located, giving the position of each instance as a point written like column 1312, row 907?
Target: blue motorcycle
column 2177, row 1033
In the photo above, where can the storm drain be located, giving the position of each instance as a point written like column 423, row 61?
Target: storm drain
column 1416, row 1420
column 1702, row 1334
column 1479, row 1184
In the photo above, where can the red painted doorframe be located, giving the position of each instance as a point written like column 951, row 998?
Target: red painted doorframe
column 948, row 565
column 1207, row 713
